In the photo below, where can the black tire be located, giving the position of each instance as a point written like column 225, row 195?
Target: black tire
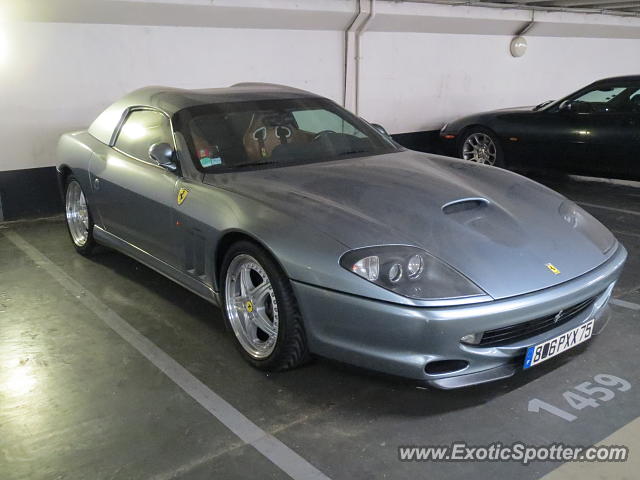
column 89, row 245
column 500, row 160
column 290, row 349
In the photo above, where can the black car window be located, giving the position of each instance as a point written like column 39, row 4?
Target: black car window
column 600, row 95
column 634, row 101
column 141, row 129
column 606, row 99
column 275, row 132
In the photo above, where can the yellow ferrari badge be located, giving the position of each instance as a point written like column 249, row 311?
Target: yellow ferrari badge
column 553, row 269
column 182, row 194
column 249, row 306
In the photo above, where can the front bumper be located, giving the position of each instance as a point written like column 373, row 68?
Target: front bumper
column 402, row 340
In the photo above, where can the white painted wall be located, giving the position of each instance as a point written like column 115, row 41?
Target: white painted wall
column 418, row 81
column 60, row 72
column 59, row 77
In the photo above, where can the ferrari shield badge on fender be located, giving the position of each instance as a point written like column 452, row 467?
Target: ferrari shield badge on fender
column 553, row 269
column 182, row 195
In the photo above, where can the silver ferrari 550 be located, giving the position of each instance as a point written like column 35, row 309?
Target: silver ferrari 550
column 318, row 234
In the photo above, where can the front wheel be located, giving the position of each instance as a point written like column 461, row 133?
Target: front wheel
column 261, row 309
column 79, row 221
column 482, row 146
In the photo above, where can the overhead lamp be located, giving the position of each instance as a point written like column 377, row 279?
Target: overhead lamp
column 518, row 46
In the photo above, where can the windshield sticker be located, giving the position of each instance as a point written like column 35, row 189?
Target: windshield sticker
column 209, row 157
column 210, row 162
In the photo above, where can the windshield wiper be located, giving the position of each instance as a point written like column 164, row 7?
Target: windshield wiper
column 350, row 152
column 543, row 104
column 271, row 162
column 254, row 164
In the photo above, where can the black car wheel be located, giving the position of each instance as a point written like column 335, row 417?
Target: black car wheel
column 261, row 310
column 482, row 146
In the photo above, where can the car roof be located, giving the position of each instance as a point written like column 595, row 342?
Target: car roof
column 171, row 100
column 622, row 78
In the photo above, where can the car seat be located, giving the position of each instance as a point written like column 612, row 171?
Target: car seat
column 267, row 130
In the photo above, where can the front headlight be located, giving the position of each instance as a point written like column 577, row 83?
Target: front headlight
column 409, row 271
column 591, row 228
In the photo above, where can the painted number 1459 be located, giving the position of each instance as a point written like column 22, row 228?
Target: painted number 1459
column 592, row 395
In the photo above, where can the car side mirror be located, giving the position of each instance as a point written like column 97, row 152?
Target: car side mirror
column 380, row 129
column 163, row 154
column 566, row 106
column 574, row 106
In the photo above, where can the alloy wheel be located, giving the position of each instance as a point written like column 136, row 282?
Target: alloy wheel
column 480, row 148
column 77, row 214
column 251, row 306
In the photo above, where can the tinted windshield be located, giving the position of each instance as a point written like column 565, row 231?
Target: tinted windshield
column 275, row 132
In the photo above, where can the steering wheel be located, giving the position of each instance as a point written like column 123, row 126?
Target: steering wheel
column 323, row 133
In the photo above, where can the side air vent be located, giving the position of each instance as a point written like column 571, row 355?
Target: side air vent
column 464, row 204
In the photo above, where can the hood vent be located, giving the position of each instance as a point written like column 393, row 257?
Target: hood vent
column 464, row 204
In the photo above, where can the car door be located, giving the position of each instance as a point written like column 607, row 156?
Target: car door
column 539, row 139
column 603, row 131
column 629, row 164
column 612, row 144
column 620, row 137
column 134, row 195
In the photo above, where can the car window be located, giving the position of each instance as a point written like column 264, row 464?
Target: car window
column 603, row 95
column 605, row 99
column 318, row 120
column 634, row 101
column 141, row 129
column 275, row 132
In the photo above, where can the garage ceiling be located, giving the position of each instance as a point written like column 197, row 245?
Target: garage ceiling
column 611, row 7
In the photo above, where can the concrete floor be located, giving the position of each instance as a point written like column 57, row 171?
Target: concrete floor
column 78, row 402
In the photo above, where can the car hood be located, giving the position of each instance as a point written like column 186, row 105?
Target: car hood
column 502, row 238
column 513, row 109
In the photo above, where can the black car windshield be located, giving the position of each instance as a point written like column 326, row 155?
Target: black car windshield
column 238, row 135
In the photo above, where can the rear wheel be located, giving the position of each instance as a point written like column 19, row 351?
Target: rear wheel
column 261, row 309
column 482, row 146
column 79, row 221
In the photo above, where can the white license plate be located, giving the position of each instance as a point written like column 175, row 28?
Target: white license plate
column 546, row 350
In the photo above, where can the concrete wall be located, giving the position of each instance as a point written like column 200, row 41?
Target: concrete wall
column 418, row 81
column 422, row 64
column 61, row 76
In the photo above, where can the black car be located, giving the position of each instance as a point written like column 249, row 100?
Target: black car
column 594, row 131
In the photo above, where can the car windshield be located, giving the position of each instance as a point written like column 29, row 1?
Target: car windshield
column 236, row 135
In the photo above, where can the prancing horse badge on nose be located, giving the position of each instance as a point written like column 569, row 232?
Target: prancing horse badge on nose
column 182, row 194
column 553, row 269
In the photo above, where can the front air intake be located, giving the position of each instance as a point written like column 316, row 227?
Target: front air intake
column 521, row 331
column 464, row 204
column 445, row 366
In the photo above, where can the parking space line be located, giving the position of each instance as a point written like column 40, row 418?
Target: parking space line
column 613, row 209
column 624, row 232
column 626, row 436
column 273, row 449
column 625, row 304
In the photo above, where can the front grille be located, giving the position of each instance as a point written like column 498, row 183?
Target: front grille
column 512, row 333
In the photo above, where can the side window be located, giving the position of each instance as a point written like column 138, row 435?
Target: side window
column 603, row 95
column 634, row 101
column 141, row 129
column 603, row 100
column 315, row 121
